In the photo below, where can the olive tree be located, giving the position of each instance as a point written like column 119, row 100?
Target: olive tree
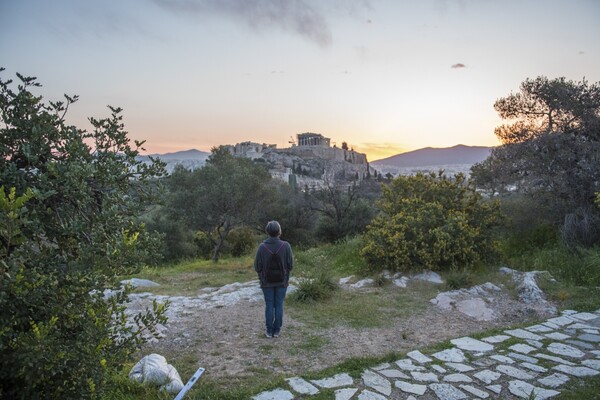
column 69, row 206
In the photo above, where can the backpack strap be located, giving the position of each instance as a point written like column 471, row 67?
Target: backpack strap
column 277, row 252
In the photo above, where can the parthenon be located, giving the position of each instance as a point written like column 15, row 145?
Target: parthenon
column 313, row 139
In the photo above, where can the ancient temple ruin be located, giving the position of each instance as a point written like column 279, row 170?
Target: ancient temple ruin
column 313, row 139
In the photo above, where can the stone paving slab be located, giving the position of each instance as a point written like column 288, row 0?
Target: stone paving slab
column 530, row 366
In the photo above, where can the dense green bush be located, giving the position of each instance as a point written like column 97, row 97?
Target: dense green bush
column 240, row 241
column 429, row 221
column 317, row 285
column 69, row 227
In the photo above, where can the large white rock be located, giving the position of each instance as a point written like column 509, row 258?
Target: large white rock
column 429, row 276
column 154, row 370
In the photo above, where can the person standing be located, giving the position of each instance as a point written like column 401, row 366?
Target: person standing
column 273, row 263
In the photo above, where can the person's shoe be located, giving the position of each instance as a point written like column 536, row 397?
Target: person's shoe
column 267, row 334
column 276, row 335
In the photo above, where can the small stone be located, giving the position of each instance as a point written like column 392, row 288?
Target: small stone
column 452, row 355
column 526, row 390
column 411, row 387
column 539, row 328
column 445, row 391
column 523, row 334
column 459, row 367
column 522, row 348
column 496, row 339
column 588, row 337
column 424, row 376
column 513, row 372
column 345, row 394
column 584, row 316
column 553, row 358
column 557, row 336
column 565, row 350
column 381, row 366
column 377, row 382
column 592, row 364
column 407, row 365
column 502, row 359
column 335, row 381
column 535, row 343
column 301, row 386
column 582, row 326
column 533, row 367
column 487, row 376
column 580, row 344
column 495, row 388
column 576, row 371
column 551, row 325
column 555, row 380
column 474, row 391
column 470, row 344
column 419, row 357
column 454, row 378
column 561, row 321
column 592, row 331
column 523, row 357
column 277, row 394
column 438, row 368
column 393, row 373
column 368, row 395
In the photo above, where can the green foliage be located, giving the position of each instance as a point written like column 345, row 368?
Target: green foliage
column 315, row 286
column 226, row 193
column 550, row 151
column 69, row 209
column 241, row 241
column 429, row 221
column 458, row 279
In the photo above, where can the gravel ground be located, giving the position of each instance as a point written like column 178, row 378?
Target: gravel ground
column 230, row 341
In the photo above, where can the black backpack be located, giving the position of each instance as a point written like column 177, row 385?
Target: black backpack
column 274, row 272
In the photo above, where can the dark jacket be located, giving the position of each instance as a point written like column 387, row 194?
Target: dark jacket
column 285, row 257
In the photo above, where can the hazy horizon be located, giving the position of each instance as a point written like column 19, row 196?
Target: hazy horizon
column 384, row 76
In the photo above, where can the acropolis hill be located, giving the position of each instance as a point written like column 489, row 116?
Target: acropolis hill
column 310, row 160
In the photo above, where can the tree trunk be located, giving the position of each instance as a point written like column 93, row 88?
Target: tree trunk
column 222, row 236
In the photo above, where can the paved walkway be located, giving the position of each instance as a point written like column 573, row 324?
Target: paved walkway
column 533, row 362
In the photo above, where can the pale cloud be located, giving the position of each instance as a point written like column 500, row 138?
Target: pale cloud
column 297, row 16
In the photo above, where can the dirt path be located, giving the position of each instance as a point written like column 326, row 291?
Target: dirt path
column 229, row 340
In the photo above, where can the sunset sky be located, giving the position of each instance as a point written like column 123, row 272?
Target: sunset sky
column 386, row 76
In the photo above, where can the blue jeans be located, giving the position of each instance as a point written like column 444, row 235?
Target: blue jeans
column 274, row 297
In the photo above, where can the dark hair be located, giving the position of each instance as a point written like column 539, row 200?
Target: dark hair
column 273, row 229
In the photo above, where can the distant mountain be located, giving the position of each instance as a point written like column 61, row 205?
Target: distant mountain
column 430, row 156
column 192, row 154
column 190, row 159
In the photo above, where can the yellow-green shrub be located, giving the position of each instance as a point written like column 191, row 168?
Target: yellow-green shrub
column 429, row 221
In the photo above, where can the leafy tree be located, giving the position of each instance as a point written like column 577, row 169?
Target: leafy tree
column 69, row 206
column 429, row 221
column 226, row 193
column 343, row 207
column 551, row 146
